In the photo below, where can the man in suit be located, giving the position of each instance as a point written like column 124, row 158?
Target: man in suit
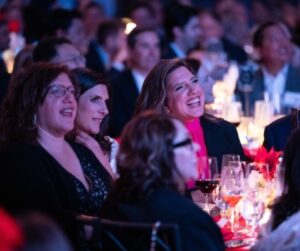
column 212, row 38
column 183, row 30
column 277, row 133
column 275, row 76
column 102, row 53
column 144, row 53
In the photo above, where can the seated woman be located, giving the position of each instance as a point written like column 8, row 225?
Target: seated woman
column 284, row 227
column 171, row 87
column 40, row 170
column 155, row 159
column 92, row 117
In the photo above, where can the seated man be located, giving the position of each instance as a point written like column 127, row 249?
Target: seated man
column 277, row 133
column 276, row 78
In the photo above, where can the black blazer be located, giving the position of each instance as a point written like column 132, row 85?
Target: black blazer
column 277, row 133
column 197, row 230
column 234, row 51
column 220, row 138
column 93, row 59
column 168, row 53
column 124, row 94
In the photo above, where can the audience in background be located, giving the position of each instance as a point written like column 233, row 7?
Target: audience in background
column 23, row 60
column 143, row 15
column 212, row 38
column 104, row 52
column 93, row 16
column 143, row 54
column 183, row 31
column 69, row 24
column 58, row 51
column 276, row 77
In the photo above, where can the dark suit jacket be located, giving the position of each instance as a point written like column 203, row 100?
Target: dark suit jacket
column 220, row 138
column 234, row 51
column 277, row 133
column 168, row 53
column 123, row 98
column 292, row 85
column 93, row 60
column 197, row 230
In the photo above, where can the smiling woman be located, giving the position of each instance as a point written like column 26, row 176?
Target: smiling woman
column 40, row 169
column 171, row 87
column 92, row 116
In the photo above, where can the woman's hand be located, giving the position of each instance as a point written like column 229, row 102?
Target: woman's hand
column 88, row 141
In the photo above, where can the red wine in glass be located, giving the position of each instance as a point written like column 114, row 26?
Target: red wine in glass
column 206, row 186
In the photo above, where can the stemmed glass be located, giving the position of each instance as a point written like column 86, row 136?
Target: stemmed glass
column 226, row 158
column 252, row 210
column 208, row 178
column 232, row 185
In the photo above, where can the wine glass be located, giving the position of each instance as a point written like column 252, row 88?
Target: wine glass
column 208, row 178
column 218, row 199
column 232, row 185
column 252, row 210
column 226, row 158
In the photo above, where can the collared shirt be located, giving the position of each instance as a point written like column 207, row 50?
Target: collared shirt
column 179, row 53
column 139, row 79
column 275, row 86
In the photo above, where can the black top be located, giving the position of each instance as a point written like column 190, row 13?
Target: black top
column 197, row 230
column 277, row 133
column 31, row 179
column 123, row 98
column 220, row 138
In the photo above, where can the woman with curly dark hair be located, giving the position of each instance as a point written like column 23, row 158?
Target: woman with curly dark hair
column 155, row 159
column 40, row 169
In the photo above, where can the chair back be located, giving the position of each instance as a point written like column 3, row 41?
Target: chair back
column 108, row 235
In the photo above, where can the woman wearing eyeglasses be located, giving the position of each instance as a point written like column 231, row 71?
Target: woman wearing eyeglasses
column 155, row 159
column 172, row 87
column 40, row 170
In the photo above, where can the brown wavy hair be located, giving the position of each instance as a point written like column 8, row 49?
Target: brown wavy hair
column 154, row 92
column 146, row 160
column 26, row 93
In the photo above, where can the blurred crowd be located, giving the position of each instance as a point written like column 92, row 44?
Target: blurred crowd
column 77, row 75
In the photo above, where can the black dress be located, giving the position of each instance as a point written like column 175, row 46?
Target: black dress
column 31, row 179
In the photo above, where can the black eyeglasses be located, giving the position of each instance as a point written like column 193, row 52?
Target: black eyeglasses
column 59, row 91
column 183, row 143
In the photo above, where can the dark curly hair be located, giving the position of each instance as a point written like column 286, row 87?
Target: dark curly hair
column 289, row 202
column 145, row 160
column 26, row 93
column 87, row 79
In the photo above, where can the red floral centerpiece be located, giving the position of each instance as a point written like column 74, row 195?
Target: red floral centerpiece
column 261, row 155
